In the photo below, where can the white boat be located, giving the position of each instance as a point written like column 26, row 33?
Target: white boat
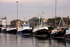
column 67, row 34
column 3, row 29
column 11, row 30
column 24, row 29
column 59, row 32
column 39, row 30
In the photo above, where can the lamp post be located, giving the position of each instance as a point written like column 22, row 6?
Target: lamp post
column 17, row 9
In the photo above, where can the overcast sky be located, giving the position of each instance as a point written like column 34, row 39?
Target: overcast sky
column 31, row 8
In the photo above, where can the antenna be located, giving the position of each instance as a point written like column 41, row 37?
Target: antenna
column 39, row 19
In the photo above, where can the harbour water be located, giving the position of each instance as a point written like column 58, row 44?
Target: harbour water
column 9, row 40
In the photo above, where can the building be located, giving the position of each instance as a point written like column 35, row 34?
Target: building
column 36, row 21
column 53, row 22
column 44, row 21
column 3, row 21
column 33, row 21
column 15, row 22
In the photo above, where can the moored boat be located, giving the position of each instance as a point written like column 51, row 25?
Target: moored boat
column 41, row 31
column 59, row 32
column 67, row 34
column 12, row 30
column 24, row 29
column 3, row 30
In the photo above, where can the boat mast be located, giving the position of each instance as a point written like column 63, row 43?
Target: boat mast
column 6, row 21
column 55, row 11
column 42, row 18
column 62, row 21
column 39, row 19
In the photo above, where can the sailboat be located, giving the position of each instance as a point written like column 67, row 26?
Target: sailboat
column 23, row 29
column 40, row 30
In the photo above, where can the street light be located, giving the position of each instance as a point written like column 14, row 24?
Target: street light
column 17, row 9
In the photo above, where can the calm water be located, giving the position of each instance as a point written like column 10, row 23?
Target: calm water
column 9, row 40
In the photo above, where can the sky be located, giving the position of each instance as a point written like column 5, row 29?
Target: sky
column 32, row 8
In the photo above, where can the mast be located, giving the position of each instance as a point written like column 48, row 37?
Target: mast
column 55, row 11
column 6, row 21
column 42, row 18
column 62, row 21
column 39, row 19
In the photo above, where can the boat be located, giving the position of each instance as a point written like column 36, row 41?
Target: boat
column 58, row 32
column 67, row 34
column 3, row 29
column 24, row 29
column 12, row 30
column 39, row 30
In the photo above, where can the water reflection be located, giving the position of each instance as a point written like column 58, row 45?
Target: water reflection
column 24, row 41
column 57, row 42
column 41, row 42
column 9, row 40
column 67, row 43
column 2, row 40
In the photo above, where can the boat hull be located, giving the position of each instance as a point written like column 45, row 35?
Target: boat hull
column 14, row 31
column 42, row 32
column 58, row 34
column 25, row 31
column 67, row 36
column 0, row 30
column 3, row 31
